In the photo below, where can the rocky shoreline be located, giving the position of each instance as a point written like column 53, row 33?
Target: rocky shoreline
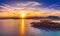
column 46, row 24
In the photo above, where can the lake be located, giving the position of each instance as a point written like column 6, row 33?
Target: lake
column 11, row 27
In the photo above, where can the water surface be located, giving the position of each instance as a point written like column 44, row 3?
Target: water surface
column 11, row 27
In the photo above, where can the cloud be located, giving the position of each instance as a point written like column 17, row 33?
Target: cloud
column 55, row 6
column 28, row 4
column 34, row 7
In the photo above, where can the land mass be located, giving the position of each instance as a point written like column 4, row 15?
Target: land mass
column 46, row 24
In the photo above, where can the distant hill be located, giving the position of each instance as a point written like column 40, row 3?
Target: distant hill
column 52, row 17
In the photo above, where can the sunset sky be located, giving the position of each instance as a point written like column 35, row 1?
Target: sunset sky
column 29, row 7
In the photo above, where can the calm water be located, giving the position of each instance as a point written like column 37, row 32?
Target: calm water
column 10, row 27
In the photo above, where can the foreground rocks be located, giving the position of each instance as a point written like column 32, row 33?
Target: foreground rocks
column 46, row 24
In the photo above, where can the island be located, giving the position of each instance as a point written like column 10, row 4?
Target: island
column 46, row 24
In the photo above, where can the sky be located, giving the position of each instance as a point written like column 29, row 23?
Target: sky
column 51, row 7
column 46, row 3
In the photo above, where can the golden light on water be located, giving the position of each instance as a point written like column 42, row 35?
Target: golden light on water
column 22, row 28
column 22, row 32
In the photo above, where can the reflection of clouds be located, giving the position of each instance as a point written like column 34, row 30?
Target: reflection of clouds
column 31, row 31
column 9, row 27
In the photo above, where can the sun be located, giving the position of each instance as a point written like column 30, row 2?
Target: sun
column 23, row 15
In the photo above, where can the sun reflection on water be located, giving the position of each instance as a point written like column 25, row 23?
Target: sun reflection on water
column 22, row 32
